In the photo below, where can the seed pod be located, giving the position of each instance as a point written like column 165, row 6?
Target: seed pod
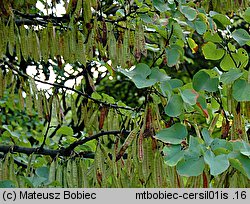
column 74, row 173
column 52, row 171
column 127, row 142
column 81, row 50
column 112, row 47
column 126, row 48
column 103, row 114
column 74, row 112
column 65, row 47
column 69, row 174
column 87, row 11
column 59, row 174
column 30, row 44
column 65, row 182
column 18, row 48
column 98, row 165
column 44, row 44
column 23, row 38
column 72, row 43
column 2, row 89
column 11, row 36
column 82, row 174
column 6, row 172
column 110, row 119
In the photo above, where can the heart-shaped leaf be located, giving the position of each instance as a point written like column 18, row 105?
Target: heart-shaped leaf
column 191, row 166
column 241, row 58
column 174, row 107
column 173, row 154
column 173, row 56
column 160, row 5
column 227, row 63
column 241, row 36
column 189, row 96
column 230, row 76
column 158, row 75
column 42, row 172
column 220, row 146
column 195, row 145
column 189, row 12
column 202, row 81
column 65, row 130
column 173, row 135
column 241, row 90
column 139, row 75
column 175, row 83
column 221, row 20
column 211, row 52
column 217, row 164
column 200, row 26
column 143, row 76
column 212, row 37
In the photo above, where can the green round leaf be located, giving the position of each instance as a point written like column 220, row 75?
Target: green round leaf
column 200, row 26
column 173, row 154
column 96, row 95
column 241, row 36
column 139, row 75
column 195, row 146
column 189, row 12
column 160, row 5
column 230, row 76
column 212, row 37
column 221, row 20
column 174, row 107
column 65, row 130
column 173, row 56
column 173, row 135
column 227, row 63
column 202, row 81
column 241, row 58
column 211, row 52
column 146, row 18
column 42, row 172
column 191, row 166
column 217, row 164
column 241, row 90
column 189, row 96
column 175, row 83
column 220, row 146
column 158, row 75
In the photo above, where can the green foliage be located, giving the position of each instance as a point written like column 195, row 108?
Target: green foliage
column 149, row 94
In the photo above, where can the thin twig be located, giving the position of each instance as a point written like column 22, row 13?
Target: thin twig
column 62, row 151
column 71, row 89
column 71, row 147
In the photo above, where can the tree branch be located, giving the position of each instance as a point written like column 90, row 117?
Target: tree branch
column 71, row 147
column 71, row 89
column 60, row 152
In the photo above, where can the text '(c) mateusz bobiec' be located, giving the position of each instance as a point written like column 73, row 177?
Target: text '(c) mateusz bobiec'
column 76, row 195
